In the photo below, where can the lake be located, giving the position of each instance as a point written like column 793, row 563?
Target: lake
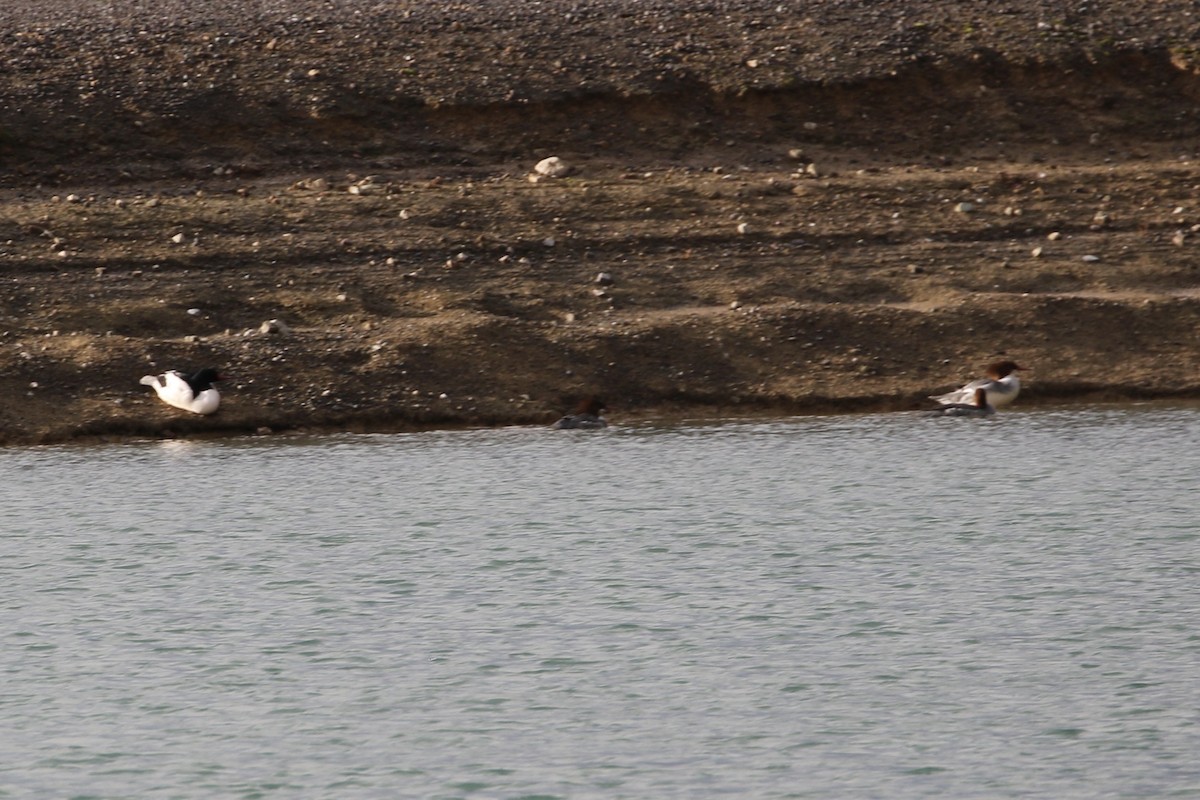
column 869, row 606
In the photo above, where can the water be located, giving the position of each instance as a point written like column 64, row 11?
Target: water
column 838, row 607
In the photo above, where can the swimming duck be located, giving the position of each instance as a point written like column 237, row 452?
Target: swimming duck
column 586, row 416
column 196, row 394
column 1001, row 384
column 978, row 408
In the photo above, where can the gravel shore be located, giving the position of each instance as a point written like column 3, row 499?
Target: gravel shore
column 799, row 206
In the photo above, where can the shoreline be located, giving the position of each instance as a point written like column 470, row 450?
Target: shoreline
column 211, row 429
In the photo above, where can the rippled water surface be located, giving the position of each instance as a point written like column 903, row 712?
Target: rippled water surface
column 840, row 607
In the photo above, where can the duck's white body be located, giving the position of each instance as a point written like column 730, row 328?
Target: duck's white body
column 999, row 393
column 979, row 407
column 173, row 389
column 1002, row 386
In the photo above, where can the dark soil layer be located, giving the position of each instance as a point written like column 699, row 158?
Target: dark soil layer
column 774, row 207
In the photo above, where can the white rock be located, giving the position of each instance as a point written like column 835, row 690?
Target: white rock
column 552, row 167
column 178, row 238
column 1091, row 259
column 195, row 312
column 964, row 208
column 276, row 326
column 743, row 227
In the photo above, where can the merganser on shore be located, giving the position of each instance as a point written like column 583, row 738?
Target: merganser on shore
column 196, row 393
column 979, row 408
column 1001, row 384
column 586, row 416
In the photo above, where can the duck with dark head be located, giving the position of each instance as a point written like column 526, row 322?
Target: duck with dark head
column 586, row 416
column 1001, row 384
column 194, row 393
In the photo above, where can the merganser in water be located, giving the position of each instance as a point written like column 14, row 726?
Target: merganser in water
column 586, row 416
column 196, row 394
column 1001, row 384
column 979, row 408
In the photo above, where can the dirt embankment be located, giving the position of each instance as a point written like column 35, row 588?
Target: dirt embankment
column 780, row 207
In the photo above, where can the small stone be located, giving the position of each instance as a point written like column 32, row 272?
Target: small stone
column 1179, row 238
column 1036, row 252
column 604, row 279
column 552, row 167
column 964, row 208
column 743, row 228
column 178, row 238
column 100, row 272
column 1090, row 259
column 195, row 312
column 274, row 326
column 549, row 241
column 1054, row 236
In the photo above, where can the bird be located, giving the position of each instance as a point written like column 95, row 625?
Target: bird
column 586, row 416
column 1001, row 384
column 980, row 407
column 196, row 393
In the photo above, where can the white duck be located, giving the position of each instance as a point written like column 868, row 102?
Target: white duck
column 979, row 408
column 1001, row 384
column 196, row 394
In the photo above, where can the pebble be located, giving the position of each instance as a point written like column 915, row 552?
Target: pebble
column 1090, row 259
column 178, row 238
column 964, row 208
column 552, row 167
column 743, row 228
column 604, row 279
column 366, row 186
column 275, row 326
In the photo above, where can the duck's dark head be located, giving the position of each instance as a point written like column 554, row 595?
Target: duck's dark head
column 204, row 379
column 1002, row 369
column 590, row 405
